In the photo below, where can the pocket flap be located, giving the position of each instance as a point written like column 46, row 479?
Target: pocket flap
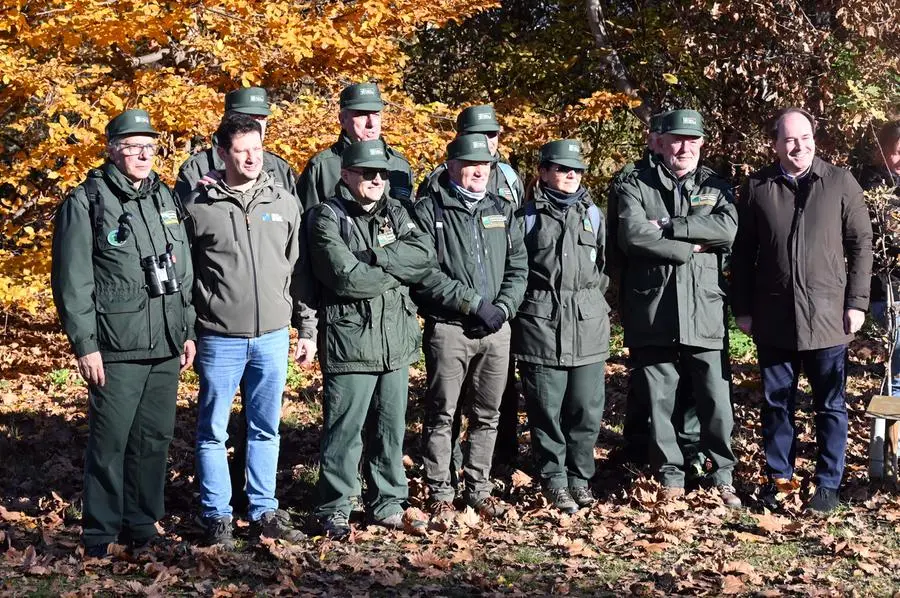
column 538, row 309
column 121, row 304
column 588, row 310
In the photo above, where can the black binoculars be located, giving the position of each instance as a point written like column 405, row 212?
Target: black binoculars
column 160, row 274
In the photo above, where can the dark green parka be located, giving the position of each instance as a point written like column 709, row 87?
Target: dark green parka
column 98, row 284
column 367, row 320
column 485, row 256
column 564, row 319
column 323, row 172
column 672, row 295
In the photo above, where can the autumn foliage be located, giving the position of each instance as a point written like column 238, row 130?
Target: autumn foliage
column 68, row 66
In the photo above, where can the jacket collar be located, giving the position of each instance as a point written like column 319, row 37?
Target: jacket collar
column 670, row 182
column 220, row 191
column 121, row 184
column 353, row 207
column 541, row 199
column 450, row 200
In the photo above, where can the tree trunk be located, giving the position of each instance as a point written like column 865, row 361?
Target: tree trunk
column 612, row 61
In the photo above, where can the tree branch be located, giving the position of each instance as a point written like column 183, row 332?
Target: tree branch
column 613, row 62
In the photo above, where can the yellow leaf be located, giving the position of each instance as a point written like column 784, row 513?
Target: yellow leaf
column 52, row 175
column 670, row 78
column 63, row 120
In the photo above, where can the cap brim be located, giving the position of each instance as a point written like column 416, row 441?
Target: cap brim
column 365, row 106
column 475, row 157
column 373, row 164
column 130, row 132
column 254, row 110
column 569, row 162
column 485, row 128
column 688, row 132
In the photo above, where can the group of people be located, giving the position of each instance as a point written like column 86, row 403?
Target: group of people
column 148, row 283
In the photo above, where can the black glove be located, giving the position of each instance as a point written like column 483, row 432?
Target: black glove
column 366, row 256
column 490, row 315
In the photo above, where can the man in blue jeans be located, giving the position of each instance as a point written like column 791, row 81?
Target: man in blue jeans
column 801, row 267
column 245, row 242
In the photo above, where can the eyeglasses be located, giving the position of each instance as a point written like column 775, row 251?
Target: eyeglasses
column 369, row 174
column 567, row 169
column 136, row 150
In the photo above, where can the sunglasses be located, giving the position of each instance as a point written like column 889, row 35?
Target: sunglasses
column 567, row 169
column 369, row 174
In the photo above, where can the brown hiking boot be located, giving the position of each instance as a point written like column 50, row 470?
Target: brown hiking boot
column 442, row 515
column 489, row 507
column 276, row 525
column 729, row 496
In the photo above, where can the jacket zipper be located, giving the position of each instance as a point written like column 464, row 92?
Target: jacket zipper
column 150, row 345
column 478, row 252
column 253, row 265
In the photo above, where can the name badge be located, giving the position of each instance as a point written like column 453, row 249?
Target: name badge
column 707, row 199
column 169, row 217
column 493, row 221
column 588, row 226
column 386, row 238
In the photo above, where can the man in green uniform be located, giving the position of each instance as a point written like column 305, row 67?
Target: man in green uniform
column 204, row 165
column 360, row 118
column 466, row 300
column 121, row 282
column 675, row 222
column 364, row 251
column 505, row 183
column 636, row 425
column 560, row 336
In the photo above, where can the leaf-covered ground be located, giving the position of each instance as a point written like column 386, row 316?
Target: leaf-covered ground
column 629, row 543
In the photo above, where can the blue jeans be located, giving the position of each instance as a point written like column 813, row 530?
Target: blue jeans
column 826, row 371
column 879, row 312
column 221, row 363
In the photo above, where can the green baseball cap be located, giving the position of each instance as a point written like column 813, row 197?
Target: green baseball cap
column 471, row 148
column 565, row 152
column 130, row 122
column 477, row 119
column 656, row 122
column 362, row 96
column 248, row 100
column 682, row 122
column 365, row 154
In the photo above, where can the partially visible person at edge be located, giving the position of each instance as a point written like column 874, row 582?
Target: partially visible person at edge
column 504, row 182
column 676, row 222
column 560, row 336
column 245, row 241
column 636, row 426
column 801, row 275
column 364, row 251
column 883, row 170
column 360, row 113
column 467, row 300
column 132, row 336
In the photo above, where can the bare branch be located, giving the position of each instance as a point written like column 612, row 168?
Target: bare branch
column 139, row 61
column 613, row 62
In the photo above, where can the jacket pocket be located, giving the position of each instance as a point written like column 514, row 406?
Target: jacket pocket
column 349, row 333
column 533, row 330
column 709, row 303
column 593, row 324
column 123, row 322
